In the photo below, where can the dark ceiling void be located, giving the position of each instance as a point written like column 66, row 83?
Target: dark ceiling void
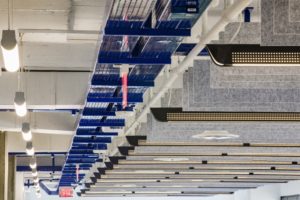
column 176, row 114
column 226, row 55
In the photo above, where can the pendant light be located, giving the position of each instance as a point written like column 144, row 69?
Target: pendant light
column 36, row 180
column 36, row 186
column 33, row 163
column 20, row 104
column 38, row 194
column 26, row 132
column 29, row 149
column 34, row 173
column 10, row 49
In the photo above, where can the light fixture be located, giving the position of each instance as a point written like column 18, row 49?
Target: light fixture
column 34, row 173
column 26, row 132
column 38, row 195
column 20, row 104
column 29, row 149
column 164, row 41
column 176, row 114
column 36, row 180
column 215, row 135
column 38, row 192
column 10, row 50
column 36, row 185
column 253, row 55
column 32, row 163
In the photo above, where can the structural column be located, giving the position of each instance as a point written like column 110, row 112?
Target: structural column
column 2, row 165
column 11, row 178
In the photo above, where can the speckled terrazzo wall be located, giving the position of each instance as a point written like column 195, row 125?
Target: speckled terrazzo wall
column 280, row 22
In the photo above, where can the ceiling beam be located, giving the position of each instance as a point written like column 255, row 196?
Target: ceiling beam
column 208, row 179
column 61, row 123
column 44, row 90
column 208, row 144
column 129, row 169
column 231, row 154
column 63, row 31
column 206, row 162
column 201, row 172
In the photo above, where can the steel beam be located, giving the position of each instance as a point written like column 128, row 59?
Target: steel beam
column 136, row 28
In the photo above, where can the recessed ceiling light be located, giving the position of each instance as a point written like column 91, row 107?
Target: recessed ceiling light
column 171, row 159
column 215, row 135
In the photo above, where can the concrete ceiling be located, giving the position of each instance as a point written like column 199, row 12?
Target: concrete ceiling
column 59, row 43
column 56, row 35
column 169, row 160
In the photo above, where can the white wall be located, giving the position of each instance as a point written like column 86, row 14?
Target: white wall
column 292, row 188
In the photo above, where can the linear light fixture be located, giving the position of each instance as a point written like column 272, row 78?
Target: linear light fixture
column 215, row 135
column 177, row 114
column 10, row 50
column 253, row 55
column 26, row 132
column 168, row 159
column 20, row 104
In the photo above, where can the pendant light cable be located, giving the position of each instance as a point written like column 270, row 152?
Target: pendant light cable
column 8, row 15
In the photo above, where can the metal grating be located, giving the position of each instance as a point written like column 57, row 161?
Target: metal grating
column 104, row 96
